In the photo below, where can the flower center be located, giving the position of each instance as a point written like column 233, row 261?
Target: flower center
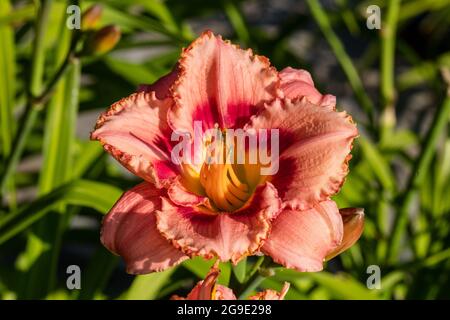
column 230, row 172
column 223, row 187
column 219, row 174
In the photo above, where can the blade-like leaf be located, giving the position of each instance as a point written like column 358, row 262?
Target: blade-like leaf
column 240, row 269
column 7, row 80
column 378, row 164
column 343, row 286
column 8, row 89
column 58, row 159
column 200, row 268
column 97, row 274
column 96, row 195
column 146, row 287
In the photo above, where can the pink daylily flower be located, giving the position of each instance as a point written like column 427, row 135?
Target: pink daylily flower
column 208, row 289
column 229, row 211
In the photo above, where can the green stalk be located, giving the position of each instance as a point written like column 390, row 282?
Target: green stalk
column 57, row 160
column 237, row 20
column 7, row 98
column 255, row 268
column 344, row 60
column 254, row 283
column 46, row 94
column 257, row 275
column 22, row 14
column 388, row 35
column 417, row 7
column 420, row 170
column 38, row 56
column 34, row 88
column 7, row 78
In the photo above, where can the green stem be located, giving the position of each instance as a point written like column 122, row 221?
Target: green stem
column 256, row 276
column 388, row 36
column 23, row 132
column 37, row 96
column 255, row 268
column 38, row 55
column 32, row 110
column 46, row 94
column 71, row 58
column 254, row 283
column 420, row 170
column 344, row 60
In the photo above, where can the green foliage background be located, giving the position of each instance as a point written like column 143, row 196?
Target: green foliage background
column 57, row 185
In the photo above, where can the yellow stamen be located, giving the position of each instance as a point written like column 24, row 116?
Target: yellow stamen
column 223, row 187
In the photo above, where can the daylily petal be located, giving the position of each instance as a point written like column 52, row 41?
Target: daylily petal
column 162, row 86
column 204, row 289
column 353, row 219
column 220, row 293
column 314, row 150
column 302, row 239
column 297, row 83
column 129, row 230
column 229, row 236
column 208, row 289
column 270, row 294
column 223, row 293
column 135, row 132
column 220, row 83
column 181, row 196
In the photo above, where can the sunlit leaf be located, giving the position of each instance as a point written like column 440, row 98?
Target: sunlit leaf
column 96, row 195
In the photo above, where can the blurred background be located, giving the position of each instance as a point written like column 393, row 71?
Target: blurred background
column 56, row 185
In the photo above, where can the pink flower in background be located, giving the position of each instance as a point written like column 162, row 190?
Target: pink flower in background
column 229, row 211
column 208, row 289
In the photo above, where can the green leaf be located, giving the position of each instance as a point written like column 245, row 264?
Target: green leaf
column 58, row 159
column 389, row 282
column 95, row 277
column 200, row 268
column 89, row 152
column 346, row 63
column 134, row 73
column 147, row 287
column 237, row 20
column 343, row 286
column 437, row 258
column 7, row 95
column 442, row 174
column 399, row 140
column 338, row 286
column 7, row 81
column 96, row 195
column 19, row 15
column 161, row 11
column 240, row 269
column 129, row 22
column 292, row 294
column 378, row 164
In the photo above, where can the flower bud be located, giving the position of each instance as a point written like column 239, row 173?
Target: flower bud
column 353, row 219
column 103, row 40
column 91, row 17
column 266, row 272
